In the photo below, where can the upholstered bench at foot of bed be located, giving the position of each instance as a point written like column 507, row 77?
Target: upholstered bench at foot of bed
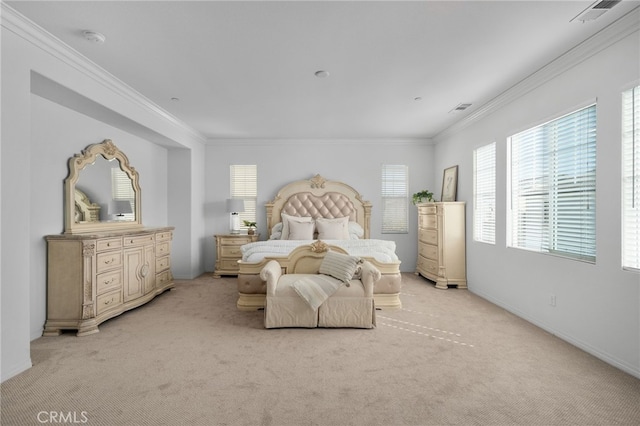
column 350, row 306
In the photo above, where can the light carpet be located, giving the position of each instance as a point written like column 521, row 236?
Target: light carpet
column 190, row 357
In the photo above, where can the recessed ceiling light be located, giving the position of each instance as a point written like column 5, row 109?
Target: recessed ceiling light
column 175, row 99
column 417, row 98
column 94, row 37
column 322, row 74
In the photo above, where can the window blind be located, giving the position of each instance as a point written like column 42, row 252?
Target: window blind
column 244, row 185
column 122, row 189
column 484, row 194
column 631, row 178
column 553, row 186
column 395, row 199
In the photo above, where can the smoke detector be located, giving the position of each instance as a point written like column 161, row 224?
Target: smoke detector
column 94, row 36
column 595, row 11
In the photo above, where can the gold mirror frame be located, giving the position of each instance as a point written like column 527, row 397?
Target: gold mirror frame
column 77, row 163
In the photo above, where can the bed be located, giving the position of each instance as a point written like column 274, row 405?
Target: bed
column 336, row 210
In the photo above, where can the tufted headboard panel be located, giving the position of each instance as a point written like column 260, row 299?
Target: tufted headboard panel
column 329, row 205
column 318, row 197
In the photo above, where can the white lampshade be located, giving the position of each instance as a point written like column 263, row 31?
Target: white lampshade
column 119, row 207
column 235, row 205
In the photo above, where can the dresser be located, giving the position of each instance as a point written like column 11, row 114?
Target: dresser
column 228, row 252
column 441, row 243
column 94, row 277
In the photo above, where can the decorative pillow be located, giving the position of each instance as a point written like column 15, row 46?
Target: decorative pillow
column 333, row 229
column 340, row 266
column 301, row 230
column 286, row 220
column 355, row 231
column 276, row 232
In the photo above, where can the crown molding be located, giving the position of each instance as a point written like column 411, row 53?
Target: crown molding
column 606, row 37
column 228, row 142
column 23, row 27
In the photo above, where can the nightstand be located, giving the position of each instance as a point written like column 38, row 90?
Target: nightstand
column 228, row 252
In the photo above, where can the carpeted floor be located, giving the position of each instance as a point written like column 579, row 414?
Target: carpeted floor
column 191, row 358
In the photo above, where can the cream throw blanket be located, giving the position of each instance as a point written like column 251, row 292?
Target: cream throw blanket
column 316, row 289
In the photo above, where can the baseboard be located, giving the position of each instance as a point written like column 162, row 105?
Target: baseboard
column 15, row 370
column 608, row 358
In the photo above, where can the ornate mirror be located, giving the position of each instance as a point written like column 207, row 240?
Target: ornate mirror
column 101, row 192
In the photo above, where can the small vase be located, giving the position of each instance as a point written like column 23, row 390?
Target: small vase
column 250, row 231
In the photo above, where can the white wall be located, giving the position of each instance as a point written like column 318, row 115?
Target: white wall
column 37, row 138
column 597, row 305
column 355, row 162
column 56, row 131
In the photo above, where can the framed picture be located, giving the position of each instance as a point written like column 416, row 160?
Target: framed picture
column 449, row 184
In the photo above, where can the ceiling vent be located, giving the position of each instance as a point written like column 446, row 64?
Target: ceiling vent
column 596, row 10
column 460, row 107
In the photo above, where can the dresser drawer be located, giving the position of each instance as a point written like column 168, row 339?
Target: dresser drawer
column 108, row 301
column 424, row 210
column 163, row 263
column 109, row 281
column 163, row 278
column 229, row 265
column 138, row 240
column 429, row 251
column 429, row 236
column 428, row 221
column 431, row 266
column 108, row 260
column 163, row 236
column 427, row 266
column 163, row 249
column 109, row 244
column 232, row 252
column 234, row 241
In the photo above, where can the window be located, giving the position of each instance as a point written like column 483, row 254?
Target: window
column 244, row 185
column 484, row 194
column 395, row 199
column 122, row 190
column 553, row 187
column 631, row 178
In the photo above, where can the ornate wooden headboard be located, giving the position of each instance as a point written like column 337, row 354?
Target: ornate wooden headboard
column 318, row 197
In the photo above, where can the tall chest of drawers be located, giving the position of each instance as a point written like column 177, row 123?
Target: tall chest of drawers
column 94, row 277
column 441, row 243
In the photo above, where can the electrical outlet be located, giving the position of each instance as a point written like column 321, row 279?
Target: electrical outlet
column 552, row 300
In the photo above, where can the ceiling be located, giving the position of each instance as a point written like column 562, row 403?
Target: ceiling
column 244, row 69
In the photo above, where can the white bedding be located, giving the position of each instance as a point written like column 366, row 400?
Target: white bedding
column 381, row 250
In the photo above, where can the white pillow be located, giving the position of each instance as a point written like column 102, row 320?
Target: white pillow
column 333, row 229
column 286, row 220
column 301, row 230
column 276, row 232
column 340, row 266
column 355, row 231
